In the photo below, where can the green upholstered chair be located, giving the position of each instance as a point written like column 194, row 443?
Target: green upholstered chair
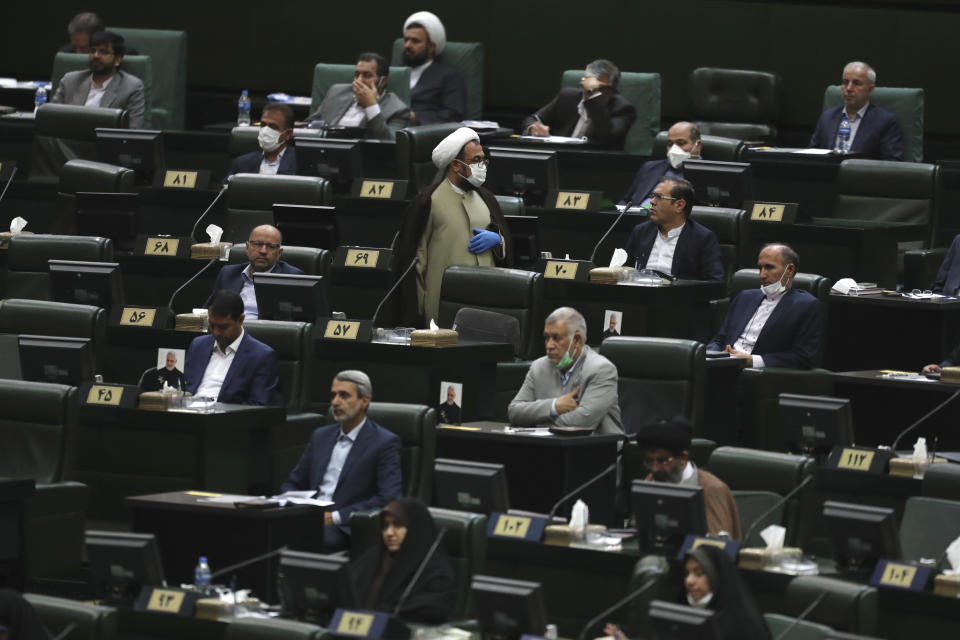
column 250, row 199
column 512, row 292
column 414, row 148
column 45, row 318
column 941, row 481
column 700, row 451
column 91, row 621
column 511, row 205
column 643, row 92
column 168, row 52
column 310, row 260
column 846, row 607
column 326, row 75
column 28, row 256
column 87, row 175
column 509, row 379
column 751, row 471
column 928, row 526
column 714, row 147
column 465, row 57
column 272, row 629
column 737, row 103
column 888, row 191
column 416, row 426
column 800, row 629
column 38, row 429
column 65, row 131
column 905, row 103
column 139, row 66
column 730, row 227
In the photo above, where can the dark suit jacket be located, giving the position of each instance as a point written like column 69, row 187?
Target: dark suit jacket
column 697, row 255
column 371, row 474
column 610, row 117
column 251, row 379
column 878, row 136
column 790, row 338
column 230, row 278
column 948, row 277
column 125, row 91
column 250, row 162
column 440, row 95
column 394, row 114
column 648, row 177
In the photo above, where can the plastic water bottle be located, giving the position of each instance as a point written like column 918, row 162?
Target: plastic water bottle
column 243, row 110
column 551, row 632
column 40, row 98
column 843, row 135
column 201, row 575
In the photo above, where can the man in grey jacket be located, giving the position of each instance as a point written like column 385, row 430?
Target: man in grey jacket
column 365, row 103
column 572, row 385
column 104, row 85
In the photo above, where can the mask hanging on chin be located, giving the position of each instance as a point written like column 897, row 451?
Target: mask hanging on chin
column 269, row 139
column 676, row 156
column 774, row 288
column 566, row 360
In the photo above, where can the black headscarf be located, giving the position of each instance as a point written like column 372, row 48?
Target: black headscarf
column 381, row 577
column 736, row 614
column 20, row 619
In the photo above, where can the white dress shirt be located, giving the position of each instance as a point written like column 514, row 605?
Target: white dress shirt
column 331, row 477
column 217, row 368
column 248, row 292
column 661, row 255
column 751, row 332
column 854, row 125
column 96, row 93
column 580, row 130
column 416, row 72
column 356, row 115
column 270, row 168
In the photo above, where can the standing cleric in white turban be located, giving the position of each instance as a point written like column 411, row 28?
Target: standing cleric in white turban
column 453, row 222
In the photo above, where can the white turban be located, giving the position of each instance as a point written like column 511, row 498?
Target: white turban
column 449, row 148
column 433, row 26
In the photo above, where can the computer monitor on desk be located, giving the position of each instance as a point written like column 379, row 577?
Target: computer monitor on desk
column 56, row 359
column 813, row 425
column 111, row 215
column 94, row 283
column 508, row 608
column 720, row 184
column 527, row 173
column 860, row 535
column 339, row 161
column 137, row 149
column 464, row 485
column 282, row 296
column 666, row 513
column 680, row 622
column 122, row 563
column 312, row 585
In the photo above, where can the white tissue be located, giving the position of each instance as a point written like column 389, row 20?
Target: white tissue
column 920, row 450
column 433, row 325
column 215, row 233
column 580, row 518
column 843, row 285
column 17, row 225
column 953, row 557
column 618, row 259
column 774, row 536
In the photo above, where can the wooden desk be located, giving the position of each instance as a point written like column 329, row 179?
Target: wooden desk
column 540, row 469
column 187, row 528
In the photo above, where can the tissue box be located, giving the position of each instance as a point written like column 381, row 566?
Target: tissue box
column 208, row 250
column 758, row 558
column 438, row 338
column 950, row 375
column 5, row 238
column 908, row 466
column 949, row 586
column 608, row 275
column 561, row 535
column 153, row 401
column 190, row 322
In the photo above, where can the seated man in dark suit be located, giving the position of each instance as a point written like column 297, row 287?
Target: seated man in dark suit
column 595, row 111
column 230, row 364
column 948, row 277
column 775, row 325
column 264, row 249
column 355, row 462
column 80, row 29
column 672, row 243
column 437, row 91
column 365, row 103
column 683, row 143
column 277, row 154
column 874, row 132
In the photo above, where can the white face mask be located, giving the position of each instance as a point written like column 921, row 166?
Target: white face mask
column 774, row 288
column 478, row 174
column 269, row 139
column 676, row 156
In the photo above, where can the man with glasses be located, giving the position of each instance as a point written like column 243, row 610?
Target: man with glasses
column 277, row 155
column 264, row 249
column 672, row 243
column 104, row 84
column 665, row 446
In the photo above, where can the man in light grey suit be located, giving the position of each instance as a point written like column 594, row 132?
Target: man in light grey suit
column 365, row 103
column 104, row 85
column 571, row 386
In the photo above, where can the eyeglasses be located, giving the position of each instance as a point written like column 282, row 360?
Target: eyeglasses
column 660, row 196
column 662, row 461
column 257, row 244
column 483, row 163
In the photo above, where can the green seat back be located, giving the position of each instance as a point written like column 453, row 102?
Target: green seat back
column 941, row 481
column 812, row 283
column 928, row 527
column 38, row 430
column 251, row 197
column 326, row 75
column 168, row 51
column 739, row 103
column 294, row 346
column 28, row 256
column 846, row 607
column 511, row 205
column 272, row 629
column 730, row 227
column 92, row 621
column 642, row 90
column 509, row 379
column 310, row 260
column 905, row 103
column 77, row 123
column 800, row 629
column 414, row 148
column 465, row 57
column 717, row 148
column 139, row 66
column 87, row 175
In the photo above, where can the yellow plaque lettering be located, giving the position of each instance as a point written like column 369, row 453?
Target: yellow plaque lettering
column 898, row 575
column 355, row 624
column 165, row 600
column 855, row 460
column 572, row 200
column 560, row 270
column 133, row 316
column 376, row 189
column 361, row 258
column 767, row 212
column 342, row 329
column 512, row 526
column 176, row 179
column 161, row 247
column 700, row 542
column 102, row 394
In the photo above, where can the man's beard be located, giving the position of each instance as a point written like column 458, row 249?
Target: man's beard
column 412, row 60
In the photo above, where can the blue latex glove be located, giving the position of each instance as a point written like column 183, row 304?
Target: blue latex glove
column 483, row 241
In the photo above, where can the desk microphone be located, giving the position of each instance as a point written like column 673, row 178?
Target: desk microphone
column 577, row 491
column 9, row 181
column 373, row 320
column 921, row 420
column 212, row 262
column 776, row 505
column 606, row 612
column 246, row 563
column 204, row 214
column 610, row 230
column 802, row 616
column 416, row 576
